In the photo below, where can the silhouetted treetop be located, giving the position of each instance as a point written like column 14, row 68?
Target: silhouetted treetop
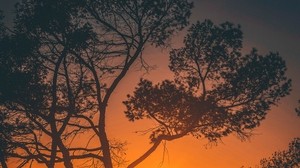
column 217, row 90
column 154, row 20
column 55, row 22
column 47, row 15
column 20, row 72
column 288, row 158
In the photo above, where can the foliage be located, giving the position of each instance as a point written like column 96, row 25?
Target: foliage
column 288, row 159
column 61, row 63
column 217, row 90
column 20, row 90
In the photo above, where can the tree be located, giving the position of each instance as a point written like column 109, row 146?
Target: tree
column 18, row 77
column 26, row 93
column 288, row 158
column 3, row 128
column 217, row 91
column 81, row 51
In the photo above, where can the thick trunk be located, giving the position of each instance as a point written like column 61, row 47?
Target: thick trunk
column 66, row 155
column 56, row 139
column 107, row 160
column 53, row 152
column 57, row 142
column 53, row 110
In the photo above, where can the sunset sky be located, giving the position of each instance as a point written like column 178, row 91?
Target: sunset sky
column 268, row 25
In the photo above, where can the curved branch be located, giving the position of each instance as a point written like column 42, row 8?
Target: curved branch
column 154, row 147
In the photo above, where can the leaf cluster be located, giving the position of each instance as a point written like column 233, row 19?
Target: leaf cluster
column 287, row 158
column 217, row 90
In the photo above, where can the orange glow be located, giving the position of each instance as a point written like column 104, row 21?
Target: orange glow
column 280, row 127
column 275, row 132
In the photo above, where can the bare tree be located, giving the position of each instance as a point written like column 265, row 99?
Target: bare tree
column 217, row 91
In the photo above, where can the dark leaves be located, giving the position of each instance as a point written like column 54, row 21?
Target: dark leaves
column 287, row 158
column 217, row 90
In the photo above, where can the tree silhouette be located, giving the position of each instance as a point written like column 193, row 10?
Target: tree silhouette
column 75, row 55
column 288, row 159
column 20, row 91
column 217, row 90
column 3, row 142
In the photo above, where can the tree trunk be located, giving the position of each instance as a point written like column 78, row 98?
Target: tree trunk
column 53, row 110
column 53, row 150
column 107, row 160
column 2, row 159
column 66, row 154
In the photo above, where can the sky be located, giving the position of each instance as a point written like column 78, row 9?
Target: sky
column 268, row 25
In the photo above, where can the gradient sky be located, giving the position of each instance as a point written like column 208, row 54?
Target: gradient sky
column 268, row 25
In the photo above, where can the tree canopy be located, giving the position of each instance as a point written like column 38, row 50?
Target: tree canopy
column 61, row 63
column 217, row 90
column 289, row 158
